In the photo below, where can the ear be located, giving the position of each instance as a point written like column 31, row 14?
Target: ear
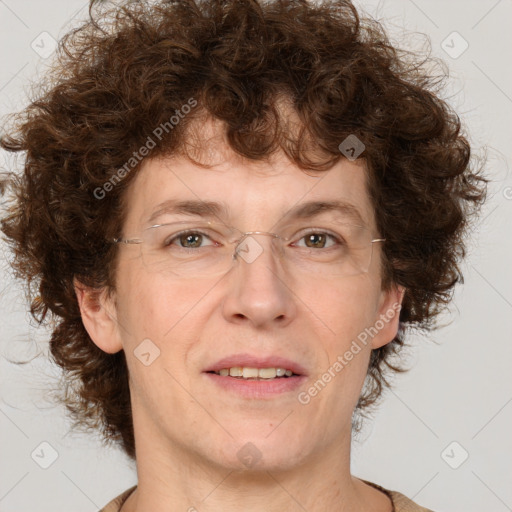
column 388, row 314
column 99, row 317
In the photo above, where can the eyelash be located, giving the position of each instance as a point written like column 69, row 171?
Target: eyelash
column 175, row 237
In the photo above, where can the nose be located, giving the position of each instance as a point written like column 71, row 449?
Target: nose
column 258, row 292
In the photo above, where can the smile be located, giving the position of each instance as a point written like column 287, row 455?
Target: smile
column 240, row 372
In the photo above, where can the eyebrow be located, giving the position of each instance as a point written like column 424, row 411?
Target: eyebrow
column 190, row 207
column 214, row 209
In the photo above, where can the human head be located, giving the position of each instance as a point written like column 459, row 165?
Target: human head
column 116, row 86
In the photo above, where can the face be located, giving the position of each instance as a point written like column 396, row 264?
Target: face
column 258, row 314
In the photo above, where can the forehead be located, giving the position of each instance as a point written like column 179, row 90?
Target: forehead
column 245, row 193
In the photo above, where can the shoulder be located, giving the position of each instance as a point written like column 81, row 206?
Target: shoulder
column 116, row 503
column 404, row 504
column 401, row 503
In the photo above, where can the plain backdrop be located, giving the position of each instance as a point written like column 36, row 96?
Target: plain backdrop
column 442, row 436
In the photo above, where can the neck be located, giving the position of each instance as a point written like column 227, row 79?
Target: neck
column 172, row 478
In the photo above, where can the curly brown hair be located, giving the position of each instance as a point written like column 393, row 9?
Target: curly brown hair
column 125, row 71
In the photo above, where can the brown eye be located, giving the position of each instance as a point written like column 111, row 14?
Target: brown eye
column 315, row 240
column 193, row 239
column 319, row 240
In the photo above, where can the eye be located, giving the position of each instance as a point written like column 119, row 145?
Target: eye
column 319, row 239
column 187, row 239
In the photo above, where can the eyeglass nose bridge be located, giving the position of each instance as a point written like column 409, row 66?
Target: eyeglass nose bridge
column 251, row 251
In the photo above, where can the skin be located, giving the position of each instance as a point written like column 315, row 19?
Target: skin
column 188, row 432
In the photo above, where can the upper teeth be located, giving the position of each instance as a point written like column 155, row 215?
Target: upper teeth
column 247, row 373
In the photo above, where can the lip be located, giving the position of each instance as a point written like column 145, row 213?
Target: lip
column 256, row 389
column 250, row 361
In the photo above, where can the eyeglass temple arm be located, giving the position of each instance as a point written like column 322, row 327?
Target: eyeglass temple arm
column 126, row 240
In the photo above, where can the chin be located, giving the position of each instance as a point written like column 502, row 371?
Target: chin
column 262, row 452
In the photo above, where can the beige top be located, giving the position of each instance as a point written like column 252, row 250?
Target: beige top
column 400, row 502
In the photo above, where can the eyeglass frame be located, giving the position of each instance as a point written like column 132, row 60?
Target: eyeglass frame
column 137, row 241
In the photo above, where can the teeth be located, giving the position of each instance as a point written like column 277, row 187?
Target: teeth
column 267, row 373
column 248, row 373
column 255, row 373
column 236, row 371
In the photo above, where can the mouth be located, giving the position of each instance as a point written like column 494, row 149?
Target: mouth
column 247, row 366
column 256, row 377
column 249, row 373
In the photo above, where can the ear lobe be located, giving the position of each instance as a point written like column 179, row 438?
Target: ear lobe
column 98, row 316
column 386, row 323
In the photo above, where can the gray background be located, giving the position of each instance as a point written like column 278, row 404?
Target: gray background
column 459, row 390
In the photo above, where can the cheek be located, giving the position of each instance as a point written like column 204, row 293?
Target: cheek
column 344, row 308
column 167, row 314
column 348, row 310
column 152, row 308
column 152, row 305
